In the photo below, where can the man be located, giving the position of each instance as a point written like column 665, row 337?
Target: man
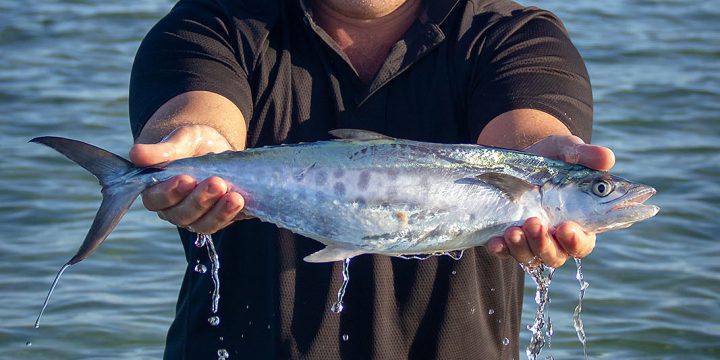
column 218, row 75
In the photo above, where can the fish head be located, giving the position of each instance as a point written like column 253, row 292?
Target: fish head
column 598, row 201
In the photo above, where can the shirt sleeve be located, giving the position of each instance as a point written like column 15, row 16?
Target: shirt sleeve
column 529, row 62
column 190, row 49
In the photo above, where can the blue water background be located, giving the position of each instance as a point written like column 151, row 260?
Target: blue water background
column 64, row 68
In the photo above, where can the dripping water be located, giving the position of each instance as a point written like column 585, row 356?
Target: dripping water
column 577, row 321
column 542, row 276
column 52, row 288
column 206, row 241
column 337, row 307
column 453, row 254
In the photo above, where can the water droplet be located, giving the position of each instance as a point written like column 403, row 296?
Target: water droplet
column 491, row 311
column 346, row 337
column 28, row 343
column 506, row 341
column 472, row 311
column 200, row 240
column 337, row 307
column 222, row 338
column 249, row 323
column 454, row 272
column 214, row 320
column 492, row 289
column 247, row 307
column 222, row 354
column 200, row 268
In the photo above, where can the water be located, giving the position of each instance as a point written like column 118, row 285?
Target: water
column 541, row 325
column 64, row 69
column 577, row 320
column 338, row 306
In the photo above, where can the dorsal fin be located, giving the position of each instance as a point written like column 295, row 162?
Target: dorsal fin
column 357, row 134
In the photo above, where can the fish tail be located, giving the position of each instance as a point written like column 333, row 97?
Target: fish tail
column 120, row 187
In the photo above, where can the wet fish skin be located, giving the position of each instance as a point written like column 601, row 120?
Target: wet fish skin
column 368, row 193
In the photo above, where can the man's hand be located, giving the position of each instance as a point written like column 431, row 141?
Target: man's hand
column 204, row 207
column 533, row 240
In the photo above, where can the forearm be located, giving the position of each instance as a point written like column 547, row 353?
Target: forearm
column 518, row 129
column 197, row 108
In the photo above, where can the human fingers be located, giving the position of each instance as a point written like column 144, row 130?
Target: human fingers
column 572, row 149
column 517, row 244
column 224, row 212
column 197, row 203
column 542, row 244
column 496, row 246
column 574, row 239
column 168, row 193
column 185, row 141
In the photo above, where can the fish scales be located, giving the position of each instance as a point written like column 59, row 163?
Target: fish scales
column 368, row 193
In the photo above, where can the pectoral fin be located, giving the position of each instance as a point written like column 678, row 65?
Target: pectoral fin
column 332, row 253
column 509, row 185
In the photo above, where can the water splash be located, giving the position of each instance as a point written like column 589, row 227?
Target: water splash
column 52, row 288
column 214, row 320
column 506, row 341
column 345, row 337
column 28, row 343
column 200, row 268
column 222, row 354
column 542, row 276
column 577, row 321
column 338, row 307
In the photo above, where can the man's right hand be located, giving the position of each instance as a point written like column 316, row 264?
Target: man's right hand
column 204, row 207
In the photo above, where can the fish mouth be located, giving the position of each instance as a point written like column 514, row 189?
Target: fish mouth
column 635, row 198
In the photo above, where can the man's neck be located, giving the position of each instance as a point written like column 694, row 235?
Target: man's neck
column 366, row 30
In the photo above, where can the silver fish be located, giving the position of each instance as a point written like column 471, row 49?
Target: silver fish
column 366, row 193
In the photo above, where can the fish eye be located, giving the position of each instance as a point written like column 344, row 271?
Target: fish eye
column 602, row 188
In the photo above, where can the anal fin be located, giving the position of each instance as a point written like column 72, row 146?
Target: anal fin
column 332, row 253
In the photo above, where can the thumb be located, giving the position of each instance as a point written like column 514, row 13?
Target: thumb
column 183, row 142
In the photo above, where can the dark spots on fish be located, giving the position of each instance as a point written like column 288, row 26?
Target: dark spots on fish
column 338, row 173
column 321, row 178
column 339, row 189
column 364, row 180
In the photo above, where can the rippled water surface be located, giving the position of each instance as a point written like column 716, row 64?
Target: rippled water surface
column 654, row 288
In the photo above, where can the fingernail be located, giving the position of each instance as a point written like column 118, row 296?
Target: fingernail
column 186, row 186
column 231, row 206
column 535, row 230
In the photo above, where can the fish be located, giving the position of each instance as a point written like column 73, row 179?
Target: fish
column 367, row 193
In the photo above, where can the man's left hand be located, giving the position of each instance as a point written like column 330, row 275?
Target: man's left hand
column 534, row 241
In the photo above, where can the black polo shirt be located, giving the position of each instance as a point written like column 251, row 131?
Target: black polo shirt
column 455, row 69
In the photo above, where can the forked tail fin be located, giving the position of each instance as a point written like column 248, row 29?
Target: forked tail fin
column 119, row 187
